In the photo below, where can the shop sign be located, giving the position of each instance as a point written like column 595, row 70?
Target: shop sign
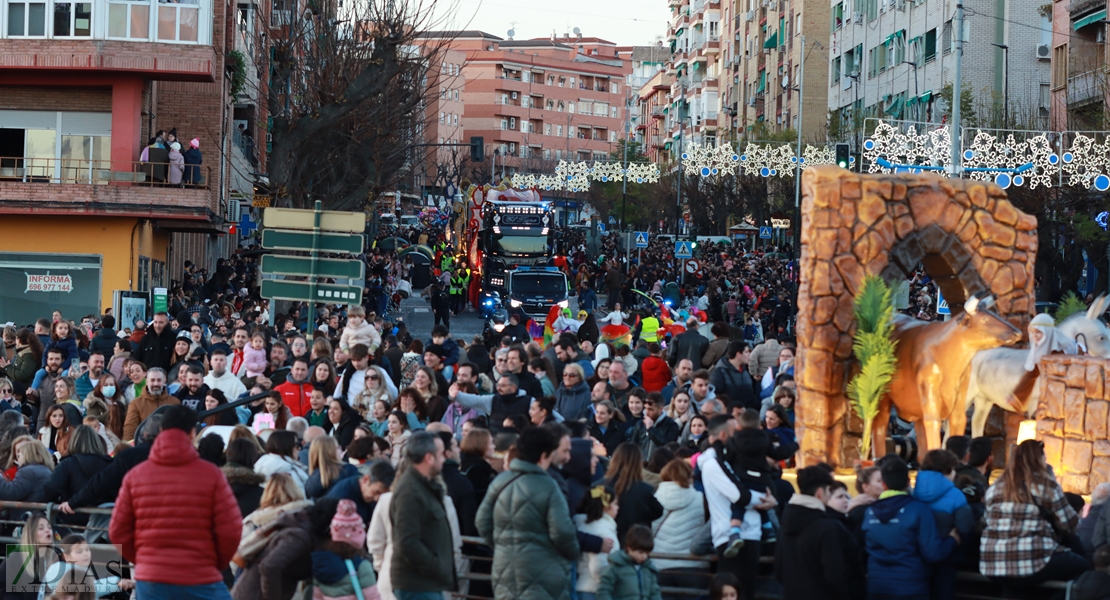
column 38, row 282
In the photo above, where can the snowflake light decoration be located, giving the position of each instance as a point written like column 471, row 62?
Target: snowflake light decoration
column 607, row 171
column 708, row 161
column 818, row 155
column 575, row 175
column 643, row 172
column 1086, row 162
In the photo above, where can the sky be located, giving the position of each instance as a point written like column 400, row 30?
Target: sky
column 624, row 22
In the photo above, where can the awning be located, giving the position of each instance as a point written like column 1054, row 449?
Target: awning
column 926, row 97
column 895, row 108
column 773, row 41
column 762, row 81
column 1089, row 19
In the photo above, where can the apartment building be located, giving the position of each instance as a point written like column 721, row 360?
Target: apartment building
column 767, row 95
column 82, row 88
column 1079, row 82
column 892, row 59
column 649, row 65
column 541, row 100
column 694, row 34
column 653, row 102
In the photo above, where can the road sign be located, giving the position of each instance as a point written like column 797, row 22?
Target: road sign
column 942, row 305
column 280, row 239
column 298, row 291
column 764, row 233
column 330, row 220
column 692, row 267
column 612, row 220
column 682, row 250
column 275, row 264
column 641, row 239
column 601, row 227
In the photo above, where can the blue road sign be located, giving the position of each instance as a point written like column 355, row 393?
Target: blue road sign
column 641, row 239
column 942, row 305
column 682, row 250
column 765, row 233
column 601, row 227
column 612, row 220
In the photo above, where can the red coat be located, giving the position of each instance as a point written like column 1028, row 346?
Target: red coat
column 656, row 372
column 176, row 517
column 296, row 396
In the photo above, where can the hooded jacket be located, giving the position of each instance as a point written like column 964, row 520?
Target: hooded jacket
column 902, row 541
column 286, row 561
column 246, row 485
column 176, row 518
column 366, row 334
column 623, row 581
column 949, row 505
column 816, row 557
column 655, row 374
column 683, row 516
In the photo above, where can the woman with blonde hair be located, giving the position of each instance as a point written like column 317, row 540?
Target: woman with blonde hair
column 37, row 536
column 325, row 468
column 35, row 467
column 375, row 390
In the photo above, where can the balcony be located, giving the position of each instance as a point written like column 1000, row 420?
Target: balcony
column 1078, row 7
column 1086, row 87
column 64, row 186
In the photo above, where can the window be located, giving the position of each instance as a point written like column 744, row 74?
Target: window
column 27, row 19
column 571, row 82
column 612, row 136
column 456, row 95
column 1060, row 66
column 836, row 70
column 559, row 131
column 129, row 20
column 837, row 16
column 504, row 98
column 512, row 123
column 143, row 281
column 1045, row 100
column 558, row 155
column 72, row 19
column 178, row 22
column 614, row 114
column 930, row 45
column 547, row 129
column 455, row 118
column 614, row 88
column 504, row 124
column 562, row 81
column 570, row 107
column 443, row 94
column 946, row 37
column 551, row 80
column 526, row 77
column 441, row 116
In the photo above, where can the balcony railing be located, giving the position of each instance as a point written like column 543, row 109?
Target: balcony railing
column 1086, row 86
column 180, row 21
column 102, row 172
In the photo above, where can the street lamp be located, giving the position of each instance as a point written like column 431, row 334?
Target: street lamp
column 856, row 123
column 1005, row 85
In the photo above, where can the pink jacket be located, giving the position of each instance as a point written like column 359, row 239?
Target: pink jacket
column 254, row 361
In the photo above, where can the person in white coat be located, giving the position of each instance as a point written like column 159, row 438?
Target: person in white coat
column 683, row 516
column 597, row 515
column 379, row 543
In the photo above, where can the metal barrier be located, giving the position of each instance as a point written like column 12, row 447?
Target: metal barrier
column 96, row 172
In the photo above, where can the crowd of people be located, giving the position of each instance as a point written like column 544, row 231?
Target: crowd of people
column 248, row 460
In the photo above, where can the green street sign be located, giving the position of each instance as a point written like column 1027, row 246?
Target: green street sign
column 298, row 291
column 281, row 239
column 274, row 264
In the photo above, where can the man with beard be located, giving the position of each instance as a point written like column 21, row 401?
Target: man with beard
column 508, row 401
column 154, row 396
column 193, row 393
column 88, row 381
column 279, row 367
column 156, row 347
column 222, row 379
column 239, row 341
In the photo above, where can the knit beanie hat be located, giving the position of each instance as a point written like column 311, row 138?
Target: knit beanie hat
column 347, row 525
column 195, row 143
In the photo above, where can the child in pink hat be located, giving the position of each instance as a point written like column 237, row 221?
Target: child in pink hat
column 340, row 562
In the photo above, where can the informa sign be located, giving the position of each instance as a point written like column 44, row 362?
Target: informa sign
column 69, row 283
column 45, row 282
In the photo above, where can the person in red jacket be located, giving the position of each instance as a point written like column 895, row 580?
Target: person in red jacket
column 296, row 392
column 655, row 370
column 176, row 518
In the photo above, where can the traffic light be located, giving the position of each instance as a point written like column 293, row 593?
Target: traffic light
column 477, row 149
column 843, row 158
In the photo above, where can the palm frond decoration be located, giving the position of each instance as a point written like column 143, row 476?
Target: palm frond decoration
column 1069, row 305
column 874, row 348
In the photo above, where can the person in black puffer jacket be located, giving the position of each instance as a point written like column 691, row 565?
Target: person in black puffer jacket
column 104, row 342
column 87, row 456
column 245, row 483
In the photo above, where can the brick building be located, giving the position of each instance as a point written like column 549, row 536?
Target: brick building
column 82, row 87
column 538, row 101
column 1079, row 83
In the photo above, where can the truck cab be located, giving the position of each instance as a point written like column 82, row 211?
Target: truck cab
column 534, row 289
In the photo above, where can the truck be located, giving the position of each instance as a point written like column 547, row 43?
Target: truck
column 532, row 290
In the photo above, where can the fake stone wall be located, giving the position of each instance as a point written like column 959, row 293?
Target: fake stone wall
column 967, row 235
column 1073, row 420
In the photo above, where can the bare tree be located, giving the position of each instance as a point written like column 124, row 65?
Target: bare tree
column 346, row 92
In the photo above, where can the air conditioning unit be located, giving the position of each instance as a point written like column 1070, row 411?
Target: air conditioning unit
column 899, row 4
column 233, row 210
column 773, row 5
column 749, row 16
column 751, row 102
column 1043, row 52
column 857, row 18
column 514, row 95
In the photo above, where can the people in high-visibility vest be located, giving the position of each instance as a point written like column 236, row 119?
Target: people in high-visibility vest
column 649, row 329
column 460, row 283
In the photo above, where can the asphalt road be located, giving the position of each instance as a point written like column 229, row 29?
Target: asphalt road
column 417, row 314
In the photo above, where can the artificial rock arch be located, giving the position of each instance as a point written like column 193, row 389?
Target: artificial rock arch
column 968, row 236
